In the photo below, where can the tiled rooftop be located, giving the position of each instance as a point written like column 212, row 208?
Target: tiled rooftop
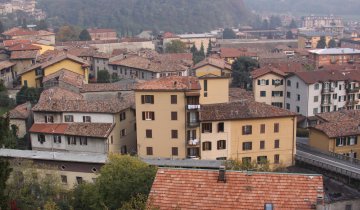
column 66, row 76
column 106, row 87
column 217, row 62
column 265, row 70
column 235, row 53
column 244, row 109
column 29, row 54
column 236, row 94
column 24, row 47
column 100, row 130
column 6, row 64
column 200, row 189
column 311, row 77
column 57, row 93
column 21, row 111
column 173, row 83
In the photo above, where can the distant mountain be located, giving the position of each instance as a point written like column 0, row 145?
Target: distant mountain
column 336, row 7
column 133, row 16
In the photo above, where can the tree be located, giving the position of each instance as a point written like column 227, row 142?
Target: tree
column 8, row 138
column 42, row 25
column 51, row 205
column 175, row 46
column 289, row 35
column 265, row 24
column 241, row 69
column 86, row 196
column 275, row 22
column 292, row 24
column 135, row 203
column 122, row 178
column 332, row 43
column 28, row 94
column 2, row 29
column 198, row 55
column 67, row 33
column 209, row 48
column 103, row 76
column 228, row 33
column 84, row 35
column 5, row 171
column 24, row 23
column 321, row 43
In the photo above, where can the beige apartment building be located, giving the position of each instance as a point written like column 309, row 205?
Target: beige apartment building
column 269, row 86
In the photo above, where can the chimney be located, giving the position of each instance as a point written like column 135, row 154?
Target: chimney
column 222, row 176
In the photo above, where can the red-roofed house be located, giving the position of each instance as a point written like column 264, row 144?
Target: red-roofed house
column 102, row 34
column 211, row 189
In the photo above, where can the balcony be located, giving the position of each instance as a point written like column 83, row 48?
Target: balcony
column 193, row 106
column 352, row 102
column 325, row 103
column 194, row 142
column 327, row 90
column 193, row 124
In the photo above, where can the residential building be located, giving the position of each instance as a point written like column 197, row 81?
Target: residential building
column 310, row 39
column 214, row 66
column 66, row 121
column 329, row 24
column 33, row 76
column 167, row 117
column 350, row 43
column 331, row 56
column 197, row 40
column 215, row 89
column 269, row 86
column 42, row 36
column 313, row 92
column 7, row 74
column 248, row 131
column 231, row 54
column 338, row 132
column 213, row 189
column 102, row 34
column 21, row 117
column 71, row 168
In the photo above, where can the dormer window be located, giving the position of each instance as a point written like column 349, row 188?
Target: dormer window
column 49, row 119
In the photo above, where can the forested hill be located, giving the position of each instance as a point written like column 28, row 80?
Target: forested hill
column 336, row 7
column 134, row 16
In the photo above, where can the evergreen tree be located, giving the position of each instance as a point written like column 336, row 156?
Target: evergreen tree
column 289, row 35
column 84, row 35
column 24, row 23
column 5, row 171
column 241, row 69
column 175, row 46
column 209, row 48
column 293, row 24
column 228, row 33
column 193, row 49
column 321, row 43
column 332, row 43
column 42, row 25
column 103, row 76
column 202, row 50
column 265, row 24
column 275, row 22
column 2, row 29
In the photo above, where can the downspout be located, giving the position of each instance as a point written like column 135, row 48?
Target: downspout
column 294, row 140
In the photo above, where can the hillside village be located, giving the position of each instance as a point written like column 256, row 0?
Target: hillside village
column 269, row 123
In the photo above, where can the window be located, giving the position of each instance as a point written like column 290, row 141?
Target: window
column 316, row 98
column 71, row 140
column 262, row 144
column 277, row 144
column 205, row 85
column 57, row 139
column 348, row 207
column 148, row 115
column 297, row 85
column 262, row 128
column 149, row 151
column 247, row 146
column 269, row 206
column 277, row 82
column 288, row 82
column 262, row 159
column 86, row 119
column 38, row 72
column 206, row 128
column 79, row 179
column 63, row 179
column 49, row 119
column 340, row 141
column 287, row 106
column 41, row 138
column 25, row 83
column 335, row 96
column 114, row 67
column 191, row 134
column 122, row 116
column 173, row 99
column 298, row 97
column 220, row 127
column 288, row 94
column 221, row 144
column 69, row 118
column 261, row 82
column 83, row 140
column 276, row 159
column 123, row 133
column 148, row 133
column 276, row 127
column 174, row 151
column 297, row 109
column 147, row 99
column 316, row 86
column 174, row 116
column 123, row 149
column 315, row 111
column 246, row 160
column 276, row 93
column 174, row 134
column 246, row 130
column 352, row 140
column 262, row 93
column 206, row 145
column 277, row 104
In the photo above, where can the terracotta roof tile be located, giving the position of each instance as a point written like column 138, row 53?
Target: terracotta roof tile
column 236, row 94
column 6, row 64
column 24, row 47
column 235, row 53
column 57, row 93
column 217, row 62
column 101, row 30
column 173, row 83
column 66, row 76
column 200, row 189
column 106, row 87
column 244, row 109
column 9, row 43
column 29, row 54
column 100, row 130
column 21, row 111
column 19, row 32
column 265, row 70
column 311, row 77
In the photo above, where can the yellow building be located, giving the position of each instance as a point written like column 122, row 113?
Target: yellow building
column 214, row 66
column 167, row 117
column 309, row 40
column 44, row 47
column 269, row 86
column 338, row 132
column 214, row 89
column 32, row 77
column 248, row 131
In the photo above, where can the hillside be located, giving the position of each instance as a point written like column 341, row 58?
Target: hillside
column 133, row 16
column 336, row 7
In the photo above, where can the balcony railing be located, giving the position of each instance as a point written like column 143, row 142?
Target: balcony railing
column 194, row 142
column 192, row 124
column 325, row 102
column 327, row 90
